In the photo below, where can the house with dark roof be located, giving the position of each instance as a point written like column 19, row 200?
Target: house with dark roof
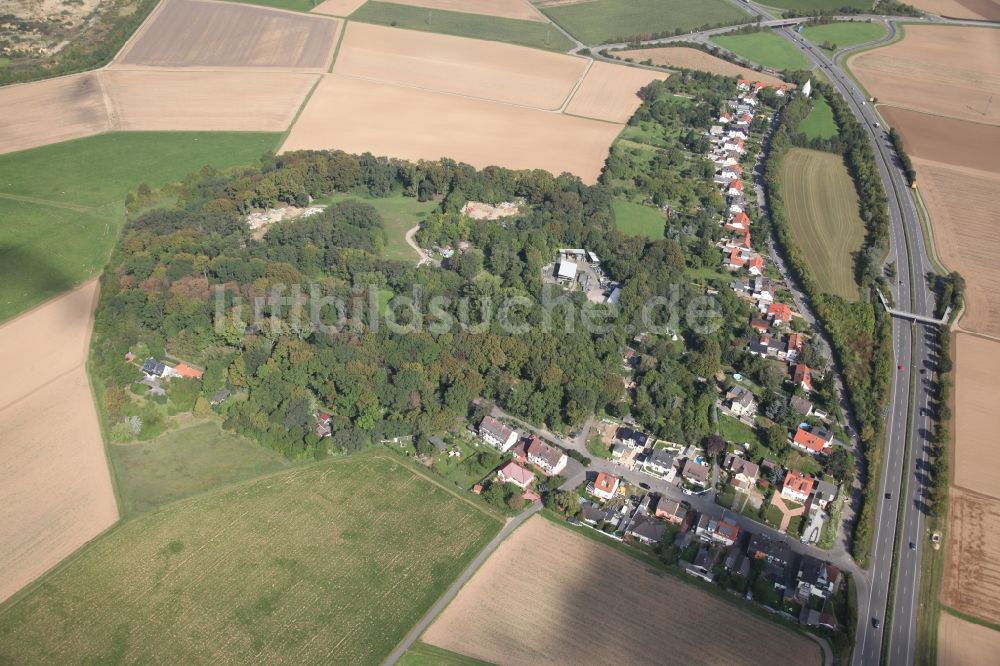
column 661, row 463
column 719, row 530
column 743, row 473
column 646, row 529
column 763, row 547
column 741, row 400
column 824, row 493
column 153, row 368
column 703, row 564
column 816, row 578
column 634, row 439
column 220, row 397
column 697, row 473
column 801, row 406
column 671, row 511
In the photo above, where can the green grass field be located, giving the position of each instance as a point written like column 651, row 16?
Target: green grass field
column 734, row 430
column 819, row 124
column 62, row 205
column 822, row 206
column 184, row 462
column 605, row 21
column 422, row 654
column 400, row 214
column 526, row 33
column 638, row 220
column 844, row 33
column 764, row 48
column 330, row 563
column 821, row 5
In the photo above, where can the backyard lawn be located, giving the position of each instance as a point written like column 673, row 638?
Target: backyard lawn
column 734, row 430
column 764, row 48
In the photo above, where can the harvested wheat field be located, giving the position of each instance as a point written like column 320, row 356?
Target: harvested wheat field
column 977, row 420
column 962, row 207
column 946, row 70
column 987, row 10
column 459, row 66
column 338, row 7
column 199, row 33
column 193, row 100
column 688, row 58
column 962, row 643
column 611, row 92
column 947, row 140
column 512, row 9
column 577, row 603
column 972, row 568
column 358, row 116
column 34, row 114
column 55, row 489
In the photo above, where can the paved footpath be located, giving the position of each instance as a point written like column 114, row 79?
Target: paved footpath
column 450, row 593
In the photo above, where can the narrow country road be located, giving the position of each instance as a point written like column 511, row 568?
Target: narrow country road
column 452, row 591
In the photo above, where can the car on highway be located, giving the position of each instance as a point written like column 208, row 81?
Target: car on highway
column 899, row 367
column 913, row 545
column 888, row 495
column 875, row 622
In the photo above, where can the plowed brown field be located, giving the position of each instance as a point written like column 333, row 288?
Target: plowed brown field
column 972, row 568
column 514, row 9
column 193, row 100
column 610, row 92
column 55, row 489
column 962, row 643
column 458, row 65
column 977, row 420
column 549, row 596
column 199, row 33
column 946, row 140
column 357, row 116
column 988, row 10
column 946, row 70
column 688, row 58
column 34, row 114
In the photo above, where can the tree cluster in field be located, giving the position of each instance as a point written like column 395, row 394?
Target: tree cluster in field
column 705, row 47
column 638, row 38
column 883, row 8
column 860, row 332
column 102, row 39
column 941, row 386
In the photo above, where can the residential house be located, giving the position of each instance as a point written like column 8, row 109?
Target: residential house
column 511, row 472
column 802, row 375
column 220, row 397
column 756, row 265
column 762, row 547
column 323, row 427
column 646, row 529
column 779, row 314
column 703, row 564
column 743, row 473
column 762, row 290
column 801, row 406
column 710, row 528
column 739, row 222
column 633, row 439
column 725, row 117
column 661, row 463
column 671, row 511
column 547, row 458
column 824, row 493
column 496, row 434
column 715, row 130
column 738, row 564
column 759, row 347
column 816, row 578
column 567, row 272
column 741, row 401
column 188, row 372
column 617, row 451
column 153, row 368
column 812, row 440
column 797, row 487
column 795, row 344
column 606, row 485
column 735, row 188
column 696, row 473
column 760, row 325
column 813, row 618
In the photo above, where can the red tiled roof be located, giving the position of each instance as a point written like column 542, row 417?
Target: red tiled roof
column 798, row 482
column 795, row 341
column 185, row 370
column 801, row 374
column 515, row 473
column 605, row 482
column 780, row 312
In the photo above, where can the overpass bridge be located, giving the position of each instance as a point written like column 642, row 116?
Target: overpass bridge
column 913, row 316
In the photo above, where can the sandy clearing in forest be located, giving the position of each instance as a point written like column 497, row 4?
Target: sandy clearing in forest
column 961, row 203
column 962, row 643
column 35, row 114
column 947, row 140
column 610, row 92
column 688, row 58
column 977, row 420
column 577, row 603
column 55, row 488
column 196, row 33
column 988, row 10
column 337, row 7
column 187, row 100
column 514, row 9
column 459, row 65
column 358, row 116
column 946, row 70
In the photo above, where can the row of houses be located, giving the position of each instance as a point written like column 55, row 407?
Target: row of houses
column 530, row 450
column 657, row 461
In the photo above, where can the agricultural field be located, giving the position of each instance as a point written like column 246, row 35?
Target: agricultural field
column 689, row 58
column 611, row 92
column 764, row 48
column 422, row 654
column 460, row 66
column 69, row 107
column 604, row 21
column 55, row 489
column 977, row 361
column 963, row 643
column 930, row 70
column 823, row 214
column 819, row 124
column 820, row 5
column 972, row 570
column 358, row 116
column 545, row 614
column 196, row 33
column 183, row 462
column 987, row 10
column 638, row 220
column 844, row 34
column 330, row 582
column 64, row 203
column 946, row 140
column 533, row 33
column 511, row 9
column 400, row 214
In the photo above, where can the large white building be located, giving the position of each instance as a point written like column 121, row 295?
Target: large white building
column 496, row 434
